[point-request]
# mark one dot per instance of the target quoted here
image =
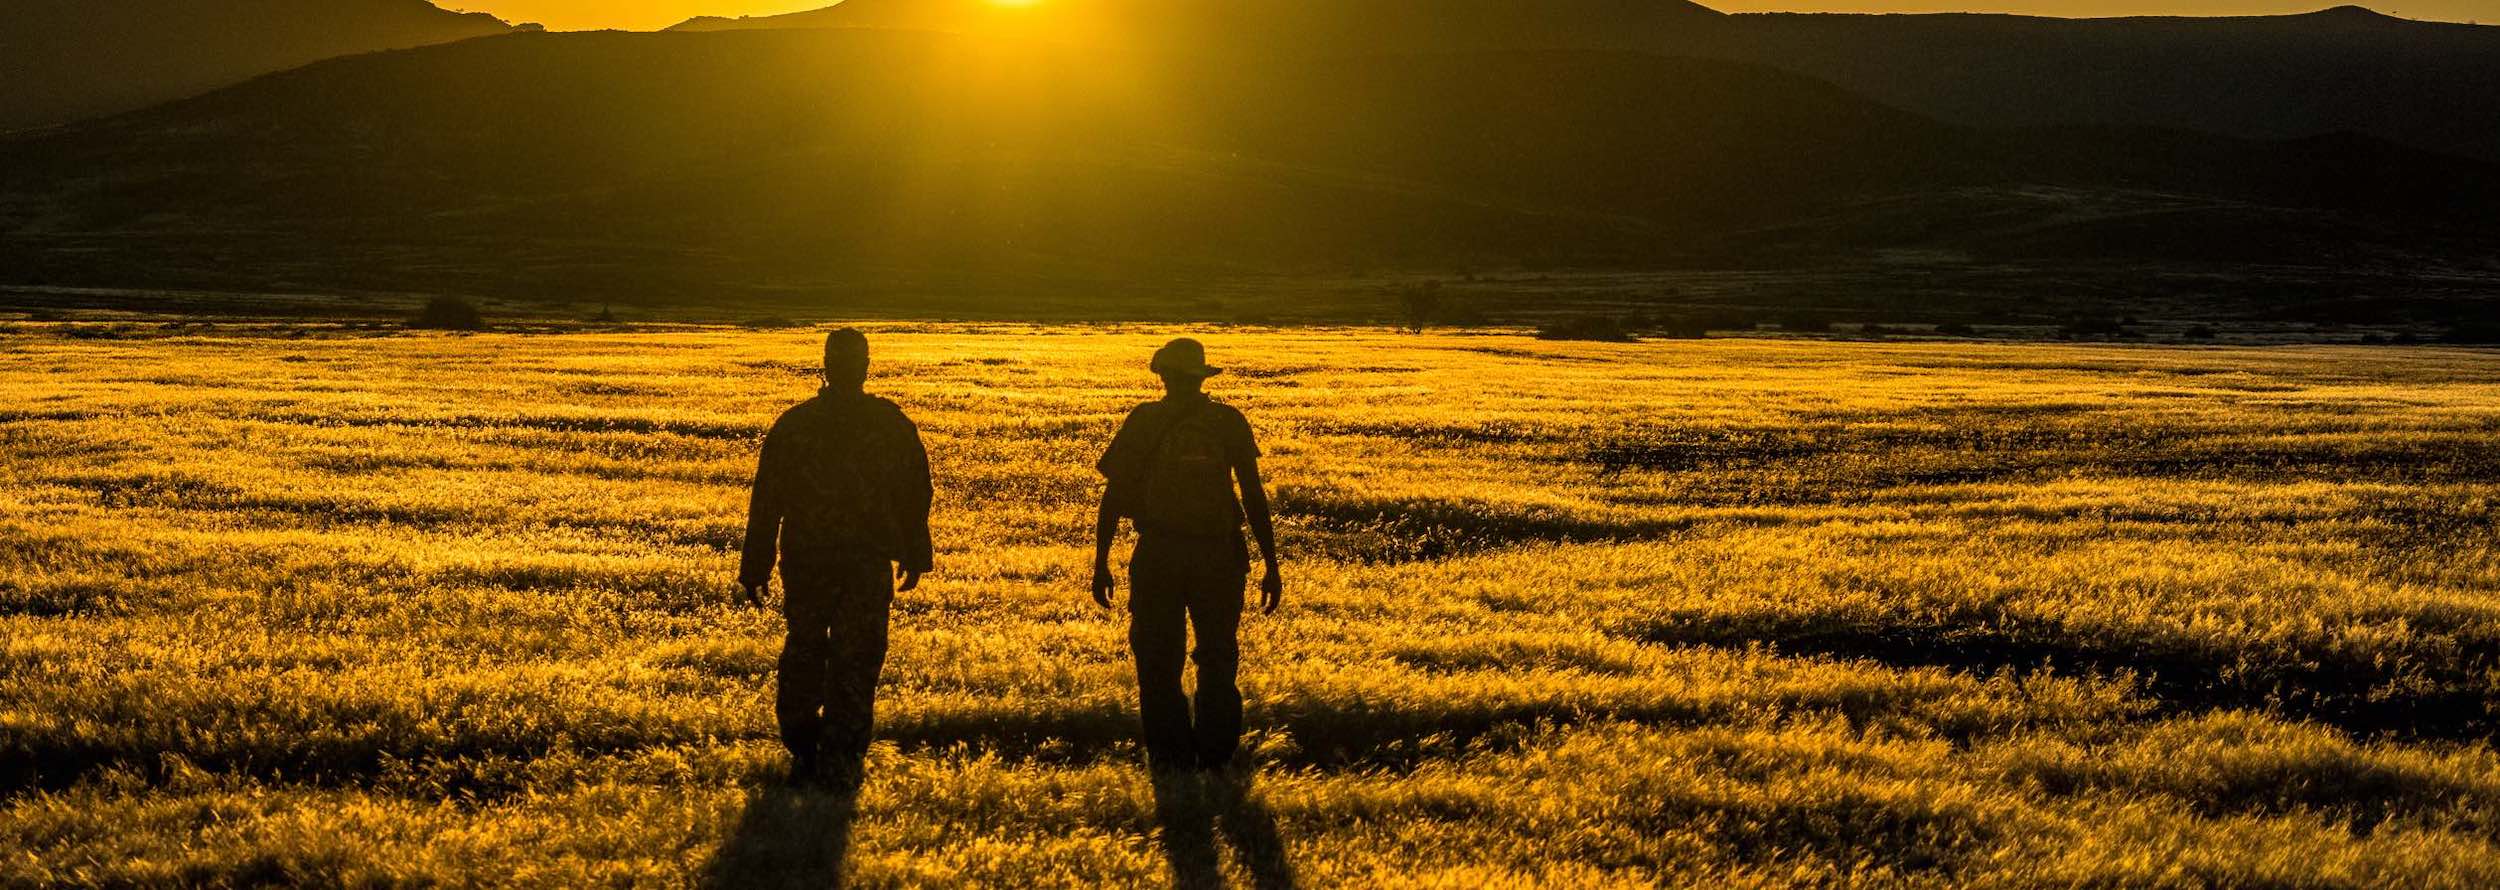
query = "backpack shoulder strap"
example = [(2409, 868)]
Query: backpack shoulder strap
[(1123, 485), (1163, 434)]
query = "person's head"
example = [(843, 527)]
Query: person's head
[(1183, 366), (846, 359)]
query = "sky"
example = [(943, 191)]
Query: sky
[(648, 14)]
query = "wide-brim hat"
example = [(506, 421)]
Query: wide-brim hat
[(1184, 357)]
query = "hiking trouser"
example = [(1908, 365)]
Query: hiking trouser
[(827, 696), (1176, 583)]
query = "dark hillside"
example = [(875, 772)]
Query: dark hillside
[(1303, 26), (780, 151), (695, 166), (2432, 85), (63, 60), (2428, 84)]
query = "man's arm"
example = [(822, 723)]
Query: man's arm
[(1114, 465), (919, 495), (1106, 527), (1262, 527), (1254, 504), (755, 569)]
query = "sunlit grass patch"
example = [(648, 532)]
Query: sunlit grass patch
[(457, 610)]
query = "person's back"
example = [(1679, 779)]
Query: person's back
[(1180, 459), (1171, 470), (841, 504), (847, 476)]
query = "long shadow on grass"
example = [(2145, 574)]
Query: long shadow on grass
[(2406, 697), (297, 511), (1326, 736), (1195, 809), (1395, 530), (788, 837), (734, 431), (1822, 462)]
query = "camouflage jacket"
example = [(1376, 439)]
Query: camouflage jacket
[(843, 475)]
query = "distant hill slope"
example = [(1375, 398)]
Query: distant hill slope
[(801, 155), (2428, 84), (1322, 26), (2432, 85), (63, 60), (687, 165)]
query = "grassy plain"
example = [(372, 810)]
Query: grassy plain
[(415, 609)]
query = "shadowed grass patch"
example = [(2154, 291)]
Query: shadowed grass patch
[(2239, 762), (1363, 530), (2440, 692)]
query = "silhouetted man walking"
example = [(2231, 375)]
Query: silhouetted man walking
[(1171, 471), (843, 490)]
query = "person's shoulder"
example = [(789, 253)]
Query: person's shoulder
[(798, 413), (1228, 413), (885, 410)]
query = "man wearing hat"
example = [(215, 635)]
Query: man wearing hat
[(1171, 472), (841, 499)]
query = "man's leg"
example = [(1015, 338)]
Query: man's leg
[(1215, 614), (1158, 636), (863, 606), (799, 693)]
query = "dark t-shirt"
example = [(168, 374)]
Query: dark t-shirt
[(1172, 464)]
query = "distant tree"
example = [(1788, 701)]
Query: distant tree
[(1680, 327), (1805, 322), (2200, 332), (1956, 329), (1420, 304), (1722, 319), (2093, 328), (449, 313)]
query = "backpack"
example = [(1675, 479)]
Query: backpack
[(1186, 483)]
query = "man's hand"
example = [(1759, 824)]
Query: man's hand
[(1104, 584), (1271, 591), (909, 580), (754, 593)]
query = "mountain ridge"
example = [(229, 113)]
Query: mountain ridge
[(790, 161), (1321, 26), (2433, 85), (67, 60)]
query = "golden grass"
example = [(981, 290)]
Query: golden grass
[(457, 610)]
